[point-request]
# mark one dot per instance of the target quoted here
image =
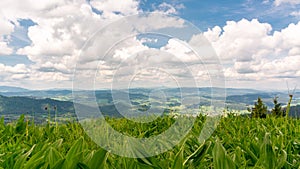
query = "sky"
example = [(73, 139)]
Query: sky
[(250, 44)]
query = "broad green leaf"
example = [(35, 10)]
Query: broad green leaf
[(59, 164), (281, 160), (53, 156), (268, 153), (22, 159), (76, 148), (179, 159), (98, 159), (82, 166), (199, 154), (36, 160), (220, 158), (75, 154)]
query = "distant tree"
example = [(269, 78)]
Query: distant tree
[(259, 110), (277, 110), (288, 107)]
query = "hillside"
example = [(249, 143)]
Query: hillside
[(15, 101), (12, 89), (295, 111), (22, 105)]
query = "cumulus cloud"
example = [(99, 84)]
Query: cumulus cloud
[(6, 28), (169, 8), (131, 59), (241, 40), (248, 48), (252, 52), (62, 28), (10, 74), (112, 8), (18, 69), (16, 9), (180, 50), (127, 49), (4, 49)]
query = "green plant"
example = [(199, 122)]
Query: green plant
[(259, 110), (238, 142), (277, 110), (288, 107)]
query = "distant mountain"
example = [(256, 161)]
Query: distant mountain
[(12, 89), (294, 111), (18, 101), (236, 98), (23, 105), (66, 94), (63, 95), (241, 91), (250, 99)]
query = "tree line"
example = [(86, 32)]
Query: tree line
[(260, 110)]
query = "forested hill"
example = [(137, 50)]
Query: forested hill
[(17, 105), (295, 111), (23, 105)]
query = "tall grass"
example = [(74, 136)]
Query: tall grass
[(238, 142)]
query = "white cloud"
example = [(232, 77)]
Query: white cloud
[(24, 75), (167, 8), (10, 74), (280, 2), (131, 47), (252, 53), (6, 28), (295, 13), (290, 36), (15, 9), (18, 69), (213, 34), (111, 8), (249, 49), (63, 27), (131, 60), (56, 40), (4, 49), (239, 40), (180, 50)]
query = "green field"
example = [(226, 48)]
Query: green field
[(238, 142)]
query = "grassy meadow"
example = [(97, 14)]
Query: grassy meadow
[(238, 142)]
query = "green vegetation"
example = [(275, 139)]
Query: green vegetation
[(238, 142), (277, 110), (259, 110), (34, 107), (288, 107)]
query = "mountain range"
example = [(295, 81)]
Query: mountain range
[(16, 101)]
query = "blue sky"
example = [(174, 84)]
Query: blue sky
[(26, 56), (207, 14)]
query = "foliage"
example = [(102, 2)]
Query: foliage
[(238, 142), (277, 110), (288, 107), (33, 105), (259, 110)]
